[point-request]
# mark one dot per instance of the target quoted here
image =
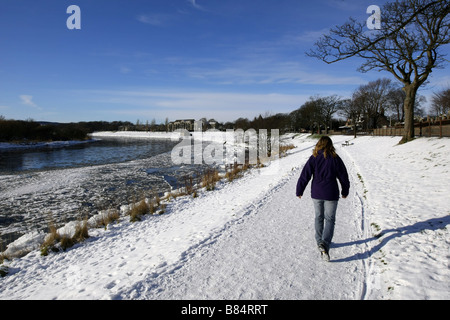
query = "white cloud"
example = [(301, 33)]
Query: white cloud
[(195, 4), (157, 19), (259, 72), (173, 103), (28, 101), (308, 36)]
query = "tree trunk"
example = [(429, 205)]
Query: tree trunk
[(408, 106)]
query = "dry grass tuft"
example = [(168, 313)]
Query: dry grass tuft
[(285, 148), (210, 178), (55, 241), (235, 171), (138, 210), (107, 218)]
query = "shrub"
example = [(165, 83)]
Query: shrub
[(107, 217), (81, 232), (138, 210), (210, 178), (3, 271), (54, 241), (66, 242), (285, 148), (235, 170)]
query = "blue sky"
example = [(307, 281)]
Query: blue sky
[(152, 59)]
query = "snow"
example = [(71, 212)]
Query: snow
[(6, 146), (253, 239), (136, 134)]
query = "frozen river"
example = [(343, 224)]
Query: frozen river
[(66, 183), (94, 152)]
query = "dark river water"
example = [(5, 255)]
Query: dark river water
[(64, 182), (96, 152)]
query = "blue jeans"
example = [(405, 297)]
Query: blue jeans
[(324, 222)]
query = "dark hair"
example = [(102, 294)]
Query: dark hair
[(326, 145)]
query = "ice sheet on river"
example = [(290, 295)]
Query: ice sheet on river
[(28, 201)]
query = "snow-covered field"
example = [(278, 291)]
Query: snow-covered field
[(253, 239)]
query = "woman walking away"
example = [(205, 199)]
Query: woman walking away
[(325, 167)]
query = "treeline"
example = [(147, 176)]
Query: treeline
[(29, 130), (373, 105), (315, 115), (279, 121)]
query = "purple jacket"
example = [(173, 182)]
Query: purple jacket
[(325, 173)]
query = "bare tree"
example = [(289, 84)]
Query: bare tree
[(351, 109), (395, 103), (317, 112), (329, 105), (396, 99), (375, 97), (407, 46), (311, 115), (441, 102), (152, 125)]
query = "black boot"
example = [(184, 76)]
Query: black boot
[(324, 252)]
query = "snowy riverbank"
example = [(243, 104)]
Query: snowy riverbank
[(253, 239), (209, 135), (135, 134)]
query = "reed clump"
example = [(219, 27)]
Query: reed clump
[(3, 257), (210, 178), (234, 171), (107, 217), (151, 205), (138, 210), (284, 148), (56, 241)]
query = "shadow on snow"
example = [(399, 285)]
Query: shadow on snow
[(387, 235)]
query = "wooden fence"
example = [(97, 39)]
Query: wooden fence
[(430, 128)]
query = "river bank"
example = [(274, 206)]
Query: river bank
[(253, 239), (67, 181), (41, 186)]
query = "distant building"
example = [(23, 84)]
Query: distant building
[(187, 124), (212, 123), (349, 126), (192, 125)]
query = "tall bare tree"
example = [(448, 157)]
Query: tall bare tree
[(317, 112), (351, 109), (407, 45), (375, 95), (329, 105), (441, 102), (395, 104)]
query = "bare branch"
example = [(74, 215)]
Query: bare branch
[(407, 46)]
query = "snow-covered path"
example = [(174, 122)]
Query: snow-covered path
[(269, 254)]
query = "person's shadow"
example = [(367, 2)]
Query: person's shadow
[(431, 224)]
